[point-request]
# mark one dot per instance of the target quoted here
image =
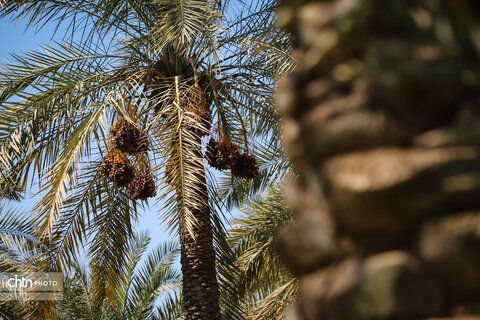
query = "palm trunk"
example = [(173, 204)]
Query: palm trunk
[(200, 287), (376, 153)]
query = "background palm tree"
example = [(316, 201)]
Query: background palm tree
[(15, 239), (149, 283), (252, 276), (20, 253), (156, 65), (149, 287)]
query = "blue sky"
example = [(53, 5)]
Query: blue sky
[(14, 38)]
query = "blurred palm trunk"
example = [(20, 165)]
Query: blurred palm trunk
[(382, 121)]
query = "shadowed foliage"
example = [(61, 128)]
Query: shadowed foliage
[(381, 121)]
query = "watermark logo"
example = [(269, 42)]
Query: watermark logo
[(31, 286)]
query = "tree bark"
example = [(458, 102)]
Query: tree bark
[(386, 206), (200, 287)]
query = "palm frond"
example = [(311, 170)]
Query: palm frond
[(148, 286), (16, 232), (156, 278), (184, 25), (20, 252), (112, 229), (171, 309), (63, 171), (181, 149), (274, 305), (258, 273), (76, 300), (93, 19), (137, 247)]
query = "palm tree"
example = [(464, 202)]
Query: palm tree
[(252, 275), (21, 253), (14, 238), (149, 287), (149, 284), (157, 69)]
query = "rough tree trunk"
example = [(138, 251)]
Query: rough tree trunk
[(200, 287), (382, 122)]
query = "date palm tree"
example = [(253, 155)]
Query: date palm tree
[(149, 287), (157, 66), (21, 253)]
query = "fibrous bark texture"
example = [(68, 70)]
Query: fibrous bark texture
[(200, 287), (382, 120)]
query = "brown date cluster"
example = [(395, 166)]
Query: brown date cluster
[(125, 138), (223, 155)]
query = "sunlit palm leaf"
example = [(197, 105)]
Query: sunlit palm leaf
[(260, 280), (148, 287)]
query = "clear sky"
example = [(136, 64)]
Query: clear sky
[(14, 38)]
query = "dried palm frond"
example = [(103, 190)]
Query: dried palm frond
[(200, 112), (169, 174)]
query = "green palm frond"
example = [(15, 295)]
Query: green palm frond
[(137, 248), (183, 25), (99, 18), (254, 234), (20, 252), (153, 279), (112, 229), (148, 286), (12, 311), (259, 278), (171, 309), (76, 302), (274, 305), (16, 232), (63, 171), (75, 219)]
